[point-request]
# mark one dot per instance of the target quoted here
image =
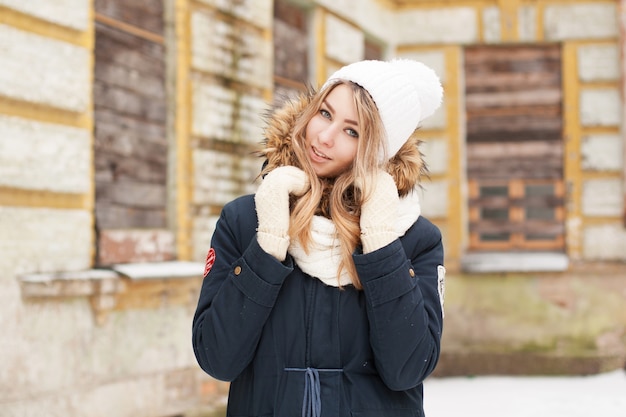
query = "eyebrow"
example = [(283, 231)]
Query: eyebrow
[(350, 121)]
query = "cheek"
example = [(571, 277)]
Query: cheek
[(352, 148), (348, 151), (311, 128)]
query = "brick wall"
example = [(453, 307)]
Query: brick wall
[(231, 82), (46, 135), (45, 188)]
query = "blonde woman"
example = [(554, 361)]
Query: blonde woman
[(323, 292)]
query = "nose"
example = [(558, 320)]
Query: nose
[(327, 135)]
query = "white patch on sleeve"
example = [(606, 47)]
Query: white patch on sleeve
[(441, 285)]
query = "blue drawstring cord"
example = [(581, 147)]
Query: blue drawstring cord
[(312, 401)]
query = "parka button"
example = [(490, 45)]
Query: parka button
[(237, 270), (411, 272)]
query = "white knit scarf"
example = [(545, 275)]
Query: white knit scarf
[(324, 255)]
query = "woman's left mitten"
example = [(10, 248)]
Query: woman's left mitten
[(379, 213)]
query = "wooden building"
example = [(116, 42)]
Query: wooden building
[(125, 126)]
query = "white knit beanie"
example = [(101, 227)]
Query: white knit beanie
[(405, 92)]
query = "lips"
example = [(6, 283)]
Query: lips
[(319, 154)]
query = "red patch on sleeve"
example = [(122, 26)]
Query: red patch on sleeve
[(210, 260)]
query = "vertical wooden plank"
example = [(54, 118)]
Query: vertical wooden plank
[(480, 28), (268, 35), (508, 20), (572, 159), (319, 36), (90, 198), (516, 212), (539, 7), (181, 161), (457, 224), (622, 45)]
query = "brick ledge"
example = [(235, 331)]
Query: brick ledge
[(515, 262), (123, 286)]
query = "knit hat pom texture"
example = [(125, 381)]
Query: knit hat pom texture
[(405, 92)]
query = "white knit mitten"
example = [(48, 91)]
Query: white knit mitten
[(272, 207), (379, 214)]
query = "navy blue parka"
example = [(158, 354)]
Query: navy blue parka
[(292, 345)]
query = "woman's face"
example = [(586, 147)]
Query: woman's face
[(332, 135)]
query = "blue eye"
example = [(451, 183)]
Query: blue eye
[(352, 133), (325, 113)]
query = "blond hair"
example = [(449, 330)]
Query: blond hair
[(338, 198)]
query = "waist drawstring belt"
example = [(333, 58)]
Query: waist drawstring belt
[(312, 401)]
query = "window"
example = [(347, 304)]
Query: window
[(130, 133), (516, 214), (515, 148), (291, 48)]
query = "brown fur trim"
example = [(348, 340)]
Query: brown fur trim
[(407, 167), (279, 126)]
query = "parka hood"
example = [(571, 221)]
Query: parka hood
[(407, 166)]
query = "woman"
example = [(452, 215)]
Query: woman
[(323, 292)]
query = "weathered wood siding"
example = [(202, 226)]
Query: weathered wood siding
[(515, 147), (130, 118), (291, 49), (514, 99)]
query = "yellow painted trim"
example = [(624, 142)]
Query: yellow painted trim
[(596, 42), (436, 4), (572, 157), (539, 13), (600, 84), (89, 124), (19, 197), (456, 224), (509, 25), (480, 27), (183, 163), (438, 177), (344, 19), (408, 48), (430, 4), (602, 221), (601, 175), (44, 28), (268, 93), (599, 130), (45, 114), (125, 27), (319, 35), (621, 10)]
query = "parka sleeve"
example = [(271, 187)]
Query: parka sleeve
[(236, 298), (403, 305)]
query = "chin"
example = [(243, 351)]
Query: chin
[(327, 175)]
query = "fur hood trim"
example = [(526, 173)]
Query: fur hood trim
[(407, 166)]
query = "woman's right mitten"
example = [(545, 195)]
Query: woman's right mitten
[(272, 207)]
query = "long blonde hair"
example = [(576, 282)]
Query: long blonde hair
[(338, 198)]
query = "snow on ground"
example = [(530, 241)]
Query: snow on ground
[(602, 395)]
